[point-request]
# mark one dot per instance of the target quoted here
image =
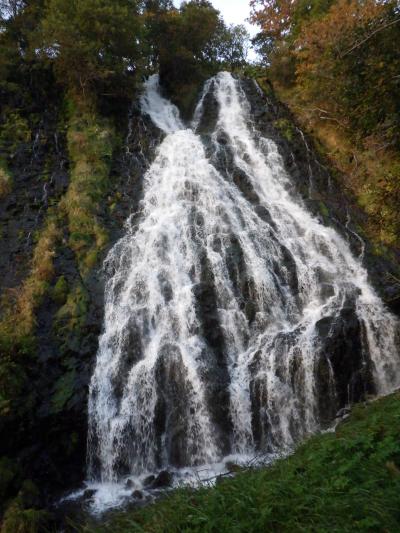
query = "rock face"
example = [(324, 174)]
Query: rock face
[(40, 177), (48, 441), (50, 446)]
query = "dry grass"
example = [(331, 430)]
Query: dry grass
[(368, 169), (5, 183), (90, 144), (19, 318)]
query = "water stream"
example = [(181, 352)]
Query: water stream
[(235, 322)]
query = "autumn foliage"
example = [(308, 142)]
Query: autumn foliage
[(342, 54), (337, 64)]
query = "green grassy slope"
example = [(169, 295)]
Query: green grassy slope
[(337, 482)]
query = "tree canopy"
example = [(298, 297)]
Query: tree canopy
[(342, 54), (100, 47)]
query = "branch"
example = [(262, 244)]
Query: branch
[(369, 36), (394, 278)]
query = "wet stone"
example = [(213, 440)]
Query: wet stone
[(164, 479), (88, 494), (345, 411), (149, 480), (129, 484), (233, 467), (327, 290)]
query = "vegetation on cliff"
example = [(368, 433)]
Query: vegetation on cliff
[(336, 65)]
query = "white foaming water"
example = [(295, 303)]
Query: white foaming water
[(163, 113), (219, 307)]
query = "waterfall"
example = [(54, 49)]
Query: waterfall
[(235, 322)]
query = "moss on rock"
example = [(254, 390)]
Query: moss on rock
[(91, 142), (60, 291), (63, 391), (19, 520), (6, 181), (285, 127)]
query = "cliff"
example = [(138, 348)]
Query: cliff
[(75, 175)]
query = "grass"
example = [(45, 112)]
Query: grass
[(23, 301), (90, 144), (6, 181), (338, 482)]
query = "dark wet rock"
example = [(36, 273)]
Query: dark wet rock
[(327, 290), (343, 375), (88, 494), (233, 467), (210, 114), (148, 481), (221, 478), (163, 480), (137, 494), (40, 177), (344, 412), (129, 484)]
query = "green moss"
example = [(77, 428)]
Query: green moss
[(19, 520), (6, 181), (28, 495), (14, 132), (91, 141), (72, 443), (60, 291), (9, 473), (265, 86), (323, 210), (12, 383), (92, 257), (340, 482), (63, 391), (285, 127), (72, 315), (70, 320)]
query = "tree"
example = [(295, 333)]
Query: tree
[(232, 44), (92, 42), (280, 23), (275, 17), (349, 61), (183, 40)]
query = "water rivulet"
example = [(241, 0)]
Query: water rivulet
[(235, 322)]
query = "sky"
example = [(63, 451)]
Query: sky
[(234, 12)]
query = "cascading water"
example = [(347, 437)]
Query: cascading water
[(235, 322)]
